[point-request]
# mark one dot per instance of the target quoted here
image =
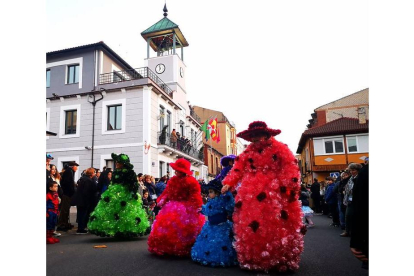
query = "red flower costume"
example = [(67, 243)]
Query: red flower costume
[(179, 222), (267, 215)]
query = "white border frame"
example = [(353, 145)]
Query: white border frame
[(68, 62), (330, 138), (104, 157), (65, 159), (357, 142), (63, 110), (105, 105)]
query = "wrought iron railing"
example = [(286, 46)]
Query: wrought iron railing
[(134, 74), (164, 138), (195, 116)]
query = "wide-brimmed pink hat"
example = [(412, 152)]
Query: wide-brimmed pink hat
[(182, 165), (257, 128)]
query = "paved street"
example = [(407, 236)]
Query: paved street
[(326, 253)]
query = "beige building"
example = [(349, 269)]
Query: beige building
[(355, 106), (226, 128)]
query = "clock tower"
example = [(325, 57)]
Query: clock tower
[(166, 39)]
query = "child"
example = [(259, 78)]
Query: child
[(214, 244), (52, 212), (307, 211)]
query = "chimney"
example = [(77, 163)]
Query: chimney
[(361, 115)]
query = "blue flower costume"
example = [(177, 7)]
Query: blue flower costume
[(213, 246)]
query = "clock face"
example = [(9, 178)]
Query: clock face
[(182, 72), (160, 68)]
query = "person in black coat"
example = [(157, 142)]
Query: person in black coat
[(316, 196), (85, 199), (360, 220), (68, 186)]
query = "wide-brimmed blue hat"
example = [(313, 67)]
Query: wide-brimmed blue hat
[(214, 184), (224, 161)]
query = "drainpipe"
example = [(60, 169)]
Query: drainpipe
[(93, 119)]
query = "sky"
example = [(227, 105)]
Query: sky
[(274, 61)]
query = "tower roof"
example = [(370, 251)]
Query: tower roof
[(163, 28)]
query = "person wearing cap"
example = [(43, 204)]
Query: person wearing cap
[(267, 217), (49, 158), (68, 186), (179, 222), (213, 246)]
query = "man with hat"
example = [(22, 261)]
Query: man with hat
[(68, 186), (268, 215)]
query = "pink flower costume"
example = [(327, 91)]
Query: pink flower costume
[(179, 222), (267, 216)]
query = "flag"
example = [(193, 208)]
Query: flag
[(218, 135), (206, 130), (213, 128)]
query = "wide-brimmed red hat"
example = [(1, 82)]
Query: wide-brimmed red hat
[(182, 165), (257, 128)]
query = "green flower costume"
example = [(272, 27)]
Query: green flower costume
[(119, 213)]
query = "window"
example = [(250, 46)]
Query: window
[(352, 144), (331, 145), (114, 117), (70, 121), (334, 146), (110, 164), (47, 78), (70, 116), (73, 74), (357, 143), (161, 169), (162, 116), (169, 121)]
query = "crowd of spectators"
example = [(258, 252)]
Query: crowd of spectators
[(345, 201)]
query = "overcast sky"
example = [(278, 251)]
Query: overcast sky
[(267, 60)]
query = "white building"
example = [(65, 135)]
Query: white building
[(98, 104)]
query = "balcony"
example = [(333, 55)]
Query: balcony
[(134, 74), (180, 148), (195, 116)]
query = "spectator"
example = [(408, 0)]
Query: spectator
[(68, 185), (307, 211), (324, 206), (359, 233), (341, 207), (163, 136), (55, 176), (49, 158), (52, 212), (146, 199), (85, 199), (173, 138), (140, 181), (150, 186), (160, 187), (348, 197), (104, 181), (331, 201), (316, 195), (168, 176)]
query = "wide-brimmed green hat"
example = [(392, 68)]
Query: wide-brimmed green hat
[(123, 159)]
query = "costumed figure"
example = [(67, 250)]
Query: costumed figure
[(177, 225), (119, 213), (52, 212), (214, 244), (267, 216), (227, 163)]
